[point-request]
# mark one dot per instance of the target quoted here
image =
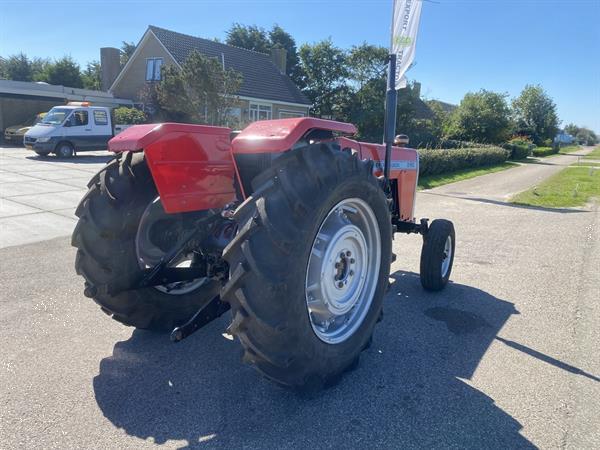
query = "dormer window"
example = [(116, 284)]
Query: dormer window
[(153, 69)]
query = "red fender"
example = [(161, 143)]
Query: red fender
[(191, 165)]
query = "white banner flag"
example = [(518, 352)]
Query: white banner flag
[(405, 27)]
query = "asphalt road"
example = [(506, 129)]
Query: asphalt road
[(505, 357)]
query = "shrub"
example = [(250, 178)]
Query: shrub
[(454, 143), (544, 151), (129, 116), (517, 151), (519, 147), (433, 162)]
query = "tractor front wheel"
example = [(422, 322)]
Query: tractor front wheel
[(437, 255), (309, 266)]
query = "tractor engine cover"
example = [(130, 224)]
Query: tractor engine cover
[(191, 165)]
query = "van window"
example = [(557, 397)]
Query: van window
[(100, 117), (79, 118)]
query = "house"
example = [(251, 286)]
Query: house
[(266, 91), (563, 138)]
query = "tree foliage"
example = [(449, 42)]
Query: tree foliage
[(127, 49), (249, 37), (582, 135), (324, 73), (482, 116), (535, 114), (17, 67), (201, 92), (260, 40), (91, 76), (64, 71)]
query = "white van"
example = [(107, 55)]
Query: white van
[(72, 128)]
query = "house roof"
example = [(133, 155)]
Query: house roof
[(261, 78)]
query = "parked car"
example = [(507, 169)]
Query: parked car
[(14, 134), (72, 128)]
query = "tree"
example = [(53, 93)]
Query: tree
[(248, 37), (279, 38), (127, 49), (585, 136), (572, 129), (64, 72), (17, 67), (91, 76), (482, 116), (202, 91), (367, 62), (535, 114), (324, 76)]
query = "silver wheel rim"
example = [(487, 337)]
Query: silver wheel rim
[(447, 256), (343, 269), (149, 255)]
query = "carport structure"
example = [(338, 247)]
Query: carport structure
[(21, 100)]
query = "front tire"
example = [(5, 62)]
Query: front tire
[(437, 255), (107, 241), (279, 317), (64, 150)]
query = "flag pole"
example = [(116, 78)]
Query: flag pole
[(391, 100)]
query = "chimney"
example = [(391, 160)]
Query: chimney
[(110, 66), (279, 57)]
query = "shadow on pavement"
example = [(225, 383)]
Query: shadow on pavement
[(512, 205), (405, 393), (80, 158)]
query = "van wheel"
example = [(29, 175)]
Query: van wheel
[(64, 150)]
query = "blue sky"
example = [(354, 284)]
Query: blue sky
[(464, 45)]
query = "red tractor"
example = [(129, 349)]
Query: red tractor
[(289, 223)]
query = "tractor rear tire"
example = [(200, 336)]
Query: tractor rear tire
[(437, 255), (105, 238), (280, 229)]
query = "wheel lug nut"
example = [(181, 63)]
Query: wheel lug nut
[(351, 273), (342, 255), (338, 265), (340, 284), (352, 260), (348, 254)]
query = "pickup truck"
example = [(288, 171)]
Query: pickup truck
[(72, 128)]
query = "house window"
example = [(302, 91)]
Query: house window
[(260, 112), (290, 114), (153, 69)]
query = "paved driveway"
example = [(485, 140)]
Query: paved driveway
[(505, 357), (38, 195)]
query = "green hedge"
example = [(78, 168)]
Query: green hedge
[(433, 162), (454, 143), (517, 150), (129, 116), (545, 151)]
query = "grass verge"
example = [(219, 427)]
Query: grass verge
[(541, 152), (431, 181), (585, 164), (595, 154), (573, 186), (569, 149)]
